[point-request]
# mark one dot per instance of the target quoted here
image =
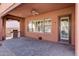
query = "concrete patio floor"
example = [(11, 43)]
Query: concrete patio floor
[(30, 47)]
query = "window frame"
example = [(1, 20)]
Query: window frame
[(42, 25)]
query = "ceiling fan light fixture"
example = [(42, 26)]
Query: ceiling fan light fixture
[(34, 12)]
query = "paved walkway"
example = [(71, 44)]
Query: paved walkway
[(31, 47)]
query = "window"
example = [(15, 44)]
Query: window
[(48, 25), (43, 25), (30, 27)]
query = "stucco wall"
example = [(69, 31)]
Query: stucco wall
[(53, 36)]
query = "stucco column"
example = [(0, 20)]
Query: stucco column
[(77, 29), (22, 27), (1, 29)]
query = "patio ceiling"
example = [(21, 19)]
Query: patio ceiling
[(24, 10)]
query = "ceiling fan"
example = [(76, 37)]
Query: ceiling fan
[(35, 12)]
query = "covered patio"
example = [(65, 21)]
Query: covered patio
[(44, 29), (31, 47)]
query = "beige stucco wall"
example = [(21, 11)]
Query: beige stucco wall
[(53, 36), (77, 29)]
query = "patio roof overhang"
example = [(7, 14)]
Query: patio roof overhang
[(25, 10), (6, 7)]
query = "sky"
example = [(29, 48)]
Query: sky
[(12, 24)]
